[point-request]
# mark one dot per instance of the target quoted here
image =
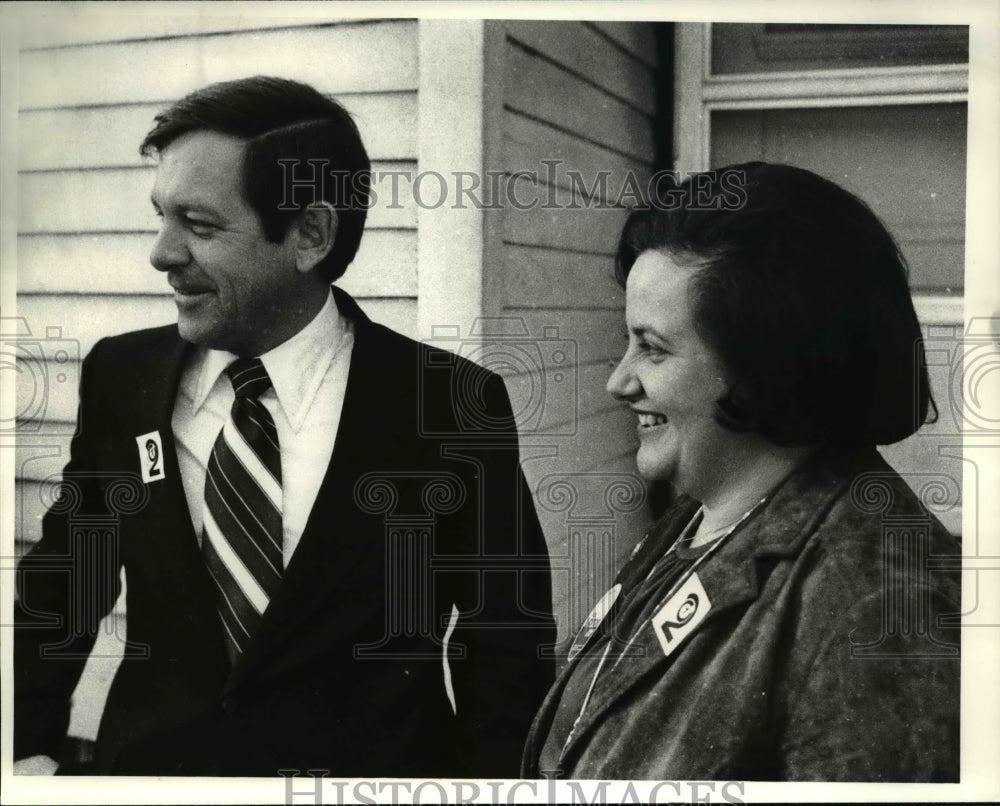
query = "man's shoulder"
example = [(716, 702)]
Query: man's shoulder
[(148, 344), (427, 358), (451, 396), (399, 354), (127, 358)]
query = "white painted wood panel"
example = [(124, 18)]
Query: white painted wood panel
[(118, 263), (378, 57), (87, 318), (56, 201), (45, 26), (558, 97), (638, 38), (584, 49), (592, 231), (109, 136), (552, 278), (43, 455), (579, 164)]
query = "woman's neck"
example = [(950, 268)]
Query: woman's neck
[(749, 477)]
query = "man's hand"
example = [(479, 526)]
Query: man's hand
[(35, 765)]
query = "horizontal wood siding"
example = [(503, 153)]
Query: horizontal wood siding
[(50, 200), (94, 264), (336, 58), (43, 28), (88, 91), (577, 145), (79, 136)]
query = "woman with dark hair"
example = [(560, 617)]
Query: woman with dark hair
[(780, 621)]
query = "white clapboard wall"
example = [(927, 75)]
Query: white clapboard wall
[(583, 94)]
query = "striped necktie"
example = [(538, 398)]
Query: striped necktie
[(242, 536)]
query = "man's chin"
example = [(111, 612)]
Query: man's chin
[(200, 333)]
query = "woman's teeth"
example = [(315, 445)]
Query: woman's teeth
[(650, 420)]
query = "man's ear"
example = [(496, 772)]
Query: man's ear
[(315, 233)]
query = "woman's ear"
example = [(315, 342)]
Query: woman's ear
[(315, 233)]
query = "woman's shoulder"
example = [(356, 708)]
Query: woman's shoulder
[(873, 574), (877, 512), (875, 540)]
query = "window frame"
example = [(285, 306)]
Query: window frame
[(699, 93)]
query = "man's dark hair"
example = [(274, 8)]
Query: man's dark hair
[(293, 133), (803, 294)]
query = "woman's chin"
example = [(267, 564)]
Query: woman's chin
[(654, 467)]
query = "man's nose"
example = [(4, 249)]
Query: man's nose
[(623, 385), (169, 250)]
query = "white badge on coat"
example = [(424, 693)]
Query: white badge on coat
[(594, 620), (150, 456), (677, 619)]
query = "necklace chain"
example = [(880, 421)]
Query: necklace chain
[(686, 534), (722, 531)]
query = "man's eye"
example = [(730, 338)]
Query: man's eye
[(201, 227)]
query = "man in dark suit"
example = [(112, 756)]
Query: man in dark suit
[(332, 559)]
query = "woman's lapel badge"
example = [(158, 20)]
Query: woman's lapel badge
[(678, 618), (594, 620)]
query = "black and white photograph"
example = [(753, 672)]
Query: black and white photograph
[(500, 402)]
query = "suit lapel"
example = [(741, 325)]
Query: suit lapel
[(168, 539), (371, 437), (731, 579), (153, 409)]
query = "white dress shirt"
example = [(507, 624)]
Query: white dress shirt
[(309, 377)]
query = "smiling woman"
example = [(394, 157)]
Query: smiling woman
[(671, 378), (777, 623)]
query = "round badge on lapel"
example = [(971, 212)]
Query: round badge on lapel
[(593, 621)]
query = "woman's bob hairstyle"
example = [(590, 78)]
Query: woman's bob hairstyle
[(803, 294)]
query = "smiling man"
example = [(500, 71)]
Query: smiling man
[(235, 289), (280, 617)]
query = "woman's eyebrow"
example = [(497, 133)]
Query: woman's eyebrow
[(643, 331)]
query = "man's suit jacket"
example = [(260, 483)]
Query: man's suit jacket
[(423, 507)]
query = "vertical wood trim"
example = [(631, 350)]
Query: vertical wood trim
[(10, 93), (449, 139), (494, 265), (691, 123), (9, 43)]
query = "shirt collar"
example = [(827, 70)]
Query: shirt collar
[(296, 367)]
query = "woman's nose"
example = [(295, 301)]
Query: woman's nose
[(623, 385)]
